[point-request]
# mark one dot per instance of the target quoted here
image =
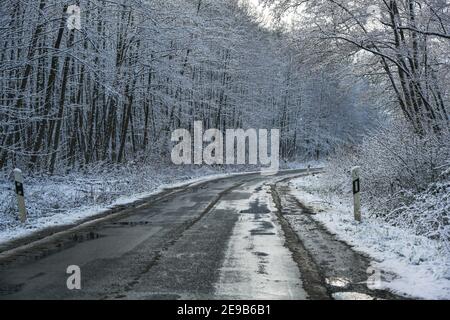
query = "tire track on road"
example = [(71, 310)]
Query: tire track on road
[(330, 267)]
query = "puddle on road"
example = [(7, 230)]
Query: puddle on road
[(64, 243), (263, 227), (7, 289), (257, 208), (258, 232), (130, 223), (82, 237), (260, 254)]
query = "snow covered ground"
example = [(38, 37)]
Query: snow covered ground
[(410, 265)]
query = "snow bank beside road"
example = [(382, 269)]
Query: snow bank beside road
[(411, 265)]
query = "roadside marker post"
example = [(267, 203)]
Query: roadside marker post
[(356, 193), (18, 177)]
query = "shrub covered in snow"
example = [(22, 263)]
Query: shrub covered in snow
[(405, 176)]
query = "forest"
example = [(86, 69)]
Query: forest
[(114, 90)]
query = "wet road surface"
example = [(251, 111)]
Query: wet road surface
[(229, 238)]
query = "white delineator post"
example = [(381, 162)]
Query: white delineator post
[(356, 193), (18, 177)]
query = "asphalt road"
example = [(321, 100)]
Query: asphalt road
[(230, 238)]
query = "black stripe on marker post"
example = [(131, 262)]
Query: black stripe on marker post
[(19, 188), (356, 186)]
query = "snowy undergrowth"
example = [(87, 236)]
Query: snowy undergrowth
[(405, 178), (411, 265)]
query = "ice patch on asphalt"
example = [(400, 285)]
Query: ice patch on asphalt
[(351, 296), (338, 282)]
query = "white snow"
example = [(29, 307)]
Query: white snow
[(411, 265)]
